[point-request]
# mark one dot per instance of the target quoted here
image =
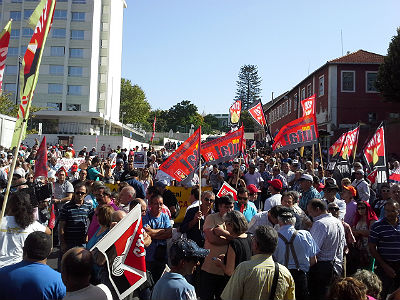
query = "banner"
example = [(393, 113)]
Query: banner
[(52, 220), (234, 111), (256, 111), (154, 128), (374, 152), (298, 133), (395, 176), (182, 194), (337, 146), (224, 148), (66, 163), (140, 159), (123, 248), (42, 18), (41, 159), (308, 106), (4, 41), (350, 143), (226, 189), (185, 159)]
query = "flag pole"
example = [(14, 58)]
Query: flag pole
[(200, 175), (313, 156), (322, 161), (384, 143), (11, 172)]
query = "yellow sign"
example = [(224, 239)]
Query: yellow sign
[(182, 194), (113, 187)]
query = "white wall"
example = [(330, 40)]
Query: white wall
[(94, 64), (7, 125)]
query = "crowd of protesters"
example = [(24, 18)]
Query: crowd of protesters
[(292, 231)]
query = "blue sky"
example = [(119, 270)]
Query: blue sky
[(192, 50)]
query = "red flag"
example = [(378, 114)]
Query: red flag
[(154, 129), (350, 143), (372, 176), (185, 159), (298, 133), (395, 176), (4, 41), (253, 145), (234, 111), (308, 106), (337, 146), (225, 189), (52, 220), (374, 152), (41, 159), (224, 148), (258, 114), (123, 248)]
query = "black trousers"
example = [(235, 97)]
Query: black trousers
[(389, 285), (211, 286), (301, 281), (321, 277)]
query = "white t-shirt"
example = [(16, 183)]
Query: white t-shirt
[(272, 201), (100, 292), (255, 179), (12, 239)]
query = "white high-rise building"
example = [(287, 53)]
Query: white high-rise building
[(80, 74)]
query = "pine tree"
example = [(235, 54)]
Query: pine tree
[(248, 85), (388, 79)]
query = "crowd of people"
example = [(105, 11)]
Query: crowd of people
[(293, 230)]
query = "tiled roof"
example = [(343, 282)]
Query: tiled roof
[(359, 57)]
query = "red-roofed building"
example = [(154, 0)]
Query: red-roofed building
[(345, 95)]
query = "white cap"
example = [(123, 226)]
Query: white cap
[(306, 177)]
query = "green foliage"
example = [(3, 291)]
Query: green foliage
[(248, 85), (248, 121), (388, 79), (134, 104), (161, 120), (182, 115), (7, 106)]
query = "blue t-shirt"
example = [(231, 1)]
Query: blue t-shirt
[(173, 286), (93, 174), (249, 212), (161, 222), (30, 280)]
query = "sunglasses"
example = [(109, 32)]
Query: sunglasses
[(385, 190), (334, 208), (209, 200), (80, 193), (242, 198)]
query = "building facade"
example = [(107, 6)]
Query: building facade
[(80, 75), (345, 97)]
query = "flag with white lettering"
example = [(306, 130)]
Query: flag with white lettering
[(374, 152), (350, 143), (226, 189), (4, 41), (308, 106), (256, 111), (234, 111), (337, 146), (298, 133), (41, 20), (224, 148), (395, 176), (185, 159), (123, 248)]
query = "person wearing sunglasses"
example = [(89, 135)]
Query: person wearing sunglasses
[(246, 207), (383, 196)]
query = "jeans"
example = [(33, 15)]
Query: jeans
[(321, 277)]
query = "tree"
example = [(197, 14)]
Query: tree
[(8, 107), (182, 115), (388, 79), (248, 85), (248, 121), (134, 104), (161, 120)]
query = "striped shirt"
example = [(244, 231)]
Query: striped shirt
[(386, 237), (328, 233), (77, 221)]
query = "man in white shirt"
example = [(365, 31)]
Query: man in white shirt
[(275, 187), (361, 186)]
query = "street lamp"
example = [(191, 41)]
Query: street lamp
[(122, 121)]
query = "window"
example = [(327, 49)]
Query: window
[(10, 87), (56, 70), (59, 32), (295, 101), (394, 115), (55, 88), (321, 83), (348, 81), (75, 71), (12, 51), (22, 50), (15, 15), (74, 90), (79, 1), (16, 1), (371, 80), (309, 90), (78, 16), (11, 70), (27, 13), (371, 117), (27, 32), (57, 51), (290, 106), (14, 34), (60, 14), (76, 53), (54, 106), (74, 107), (77, 34), (303, 94)]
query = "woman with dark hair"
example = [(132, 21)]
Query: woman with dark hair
[(239, 248), (15, 227)]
